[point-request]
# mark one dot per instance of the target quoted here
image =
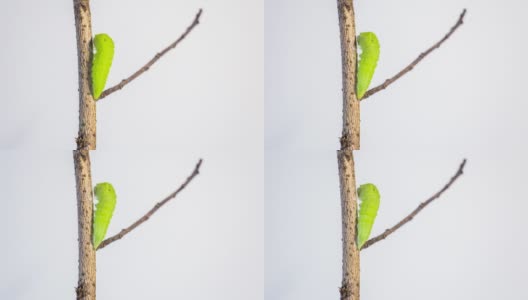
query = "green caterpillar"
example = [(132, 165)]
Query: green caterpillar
[(102, 61), (106, 201), (370, 200), (370, 50)]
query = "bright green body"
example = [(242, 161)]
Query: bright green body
[(370, 50), (104, 209), (370, 201), (102, 61)]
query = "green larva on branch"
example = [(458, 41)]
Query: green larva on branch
[(102, 61), (370, 50), (370, 200), (104, 209)]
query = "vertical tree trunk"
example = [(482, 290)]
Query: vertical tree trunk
[(349, 142), (85, 143)]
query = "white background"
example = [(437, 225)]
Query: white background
[(202, 100), (465, 100)]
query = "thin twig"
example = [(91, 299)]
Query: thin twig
[(422, 205), (149, 64), (420, 57), (149, 214)]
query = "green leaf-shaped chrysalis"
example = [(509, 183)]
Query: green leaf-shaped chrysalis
[(104, 209), (370, 199), (102, 61), (368, 59)]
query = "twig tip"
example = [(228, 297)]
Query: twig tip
[(462, 15)]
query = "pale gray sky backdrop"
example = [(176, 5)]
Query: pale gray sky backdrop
[(204, 99), (465, 100)]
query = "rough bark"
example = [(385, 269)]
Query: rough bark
[(85, 142), (87, 117), (347, 179), (350, 135), (349, 142), (86, 284)]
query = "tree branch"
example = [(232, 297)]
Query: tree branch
[(87, 112), (422, 205), (420, 57), (350, 141), (83, 184), (149, 64), (350, 136), (149, 214), (86, 140)]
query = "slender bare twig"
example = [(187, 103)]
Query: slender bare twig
[(149, 214), (420, 57), (149, 64), (422, 205)]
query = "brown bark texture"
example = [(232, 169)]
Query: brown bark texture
[(349, 142), (87, 118), (85, 142), (347, 180), (86, 284), (351, 118)]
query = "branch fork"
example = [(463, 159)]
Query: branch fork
[(350, 141), (151, 212), (86, 141), (417, 210)]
